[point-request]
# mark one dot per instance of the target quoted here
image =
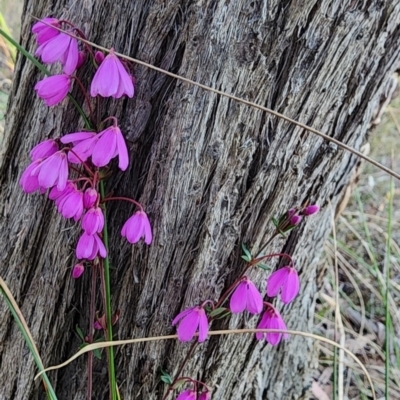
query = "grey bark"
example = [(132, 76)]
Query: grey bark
[(211, 174)]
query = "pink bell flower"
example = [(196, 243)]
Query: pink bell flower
[(190, 321), (44, 149), (53, 89), (137, 227), (70, 204), (111, 79), (43, 31), (271, 319), (187, 395), (109, 144), (90, 198), (29, 182), (52, 171), (89, 246), (58, 195), (83, 144), (93, 221), (246, 296), (78, 270), (63, 48), (285, 279)]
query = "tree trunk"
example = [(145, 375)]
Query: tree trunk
[(211, 173)]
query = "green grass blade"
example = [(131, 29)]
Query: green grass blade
[(20, 320), (388, 321), (4, 27)]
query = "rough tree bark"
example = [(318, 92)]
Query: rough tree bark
[(211, 173)]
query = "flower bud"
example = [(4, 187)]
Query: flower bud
[(81, 59), (98, 57), (295, 220), (310, 210), (78, 270), (89, 198)]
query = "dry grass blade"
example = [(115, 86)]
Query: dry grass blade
[(102, 345), (238, 99)]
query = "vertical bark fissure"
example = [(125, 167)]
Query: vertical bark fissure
[(211, 173)]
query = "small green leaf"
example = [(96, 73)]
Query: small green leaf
[(246, 252), (218, 311), (263, 266), (80, 333), (166, 377), (97, 353)]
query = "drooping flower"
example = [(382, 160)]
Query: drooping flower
[(246, 296), (83, 143), (109, 144), (58, 195), (63, 48), (44, 149), (271, 319), (285, 279), (89, 246), (190, 321), (102, 147), (310, 210), (29, 182), (137, 227), (90, 198), (188, 394), (53, 89), (93, 221), (52, 171), (70, 203), (44, 30), (111, 79), (78, 270)]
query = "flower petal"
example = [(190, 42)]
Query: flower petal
[(105, 147), (181, 315), (254, 299), (276, 280), (291, 287), (203, 325), (238, 300), (188, 326), (123, 157)]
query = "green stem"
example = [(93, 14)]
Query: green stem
[(106, 263)]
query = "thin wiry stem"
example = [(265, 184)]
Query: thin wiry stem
[(238, 99)]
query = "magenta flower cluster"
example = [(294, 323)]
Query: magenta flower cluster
[(69, 167), (244, 296)]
